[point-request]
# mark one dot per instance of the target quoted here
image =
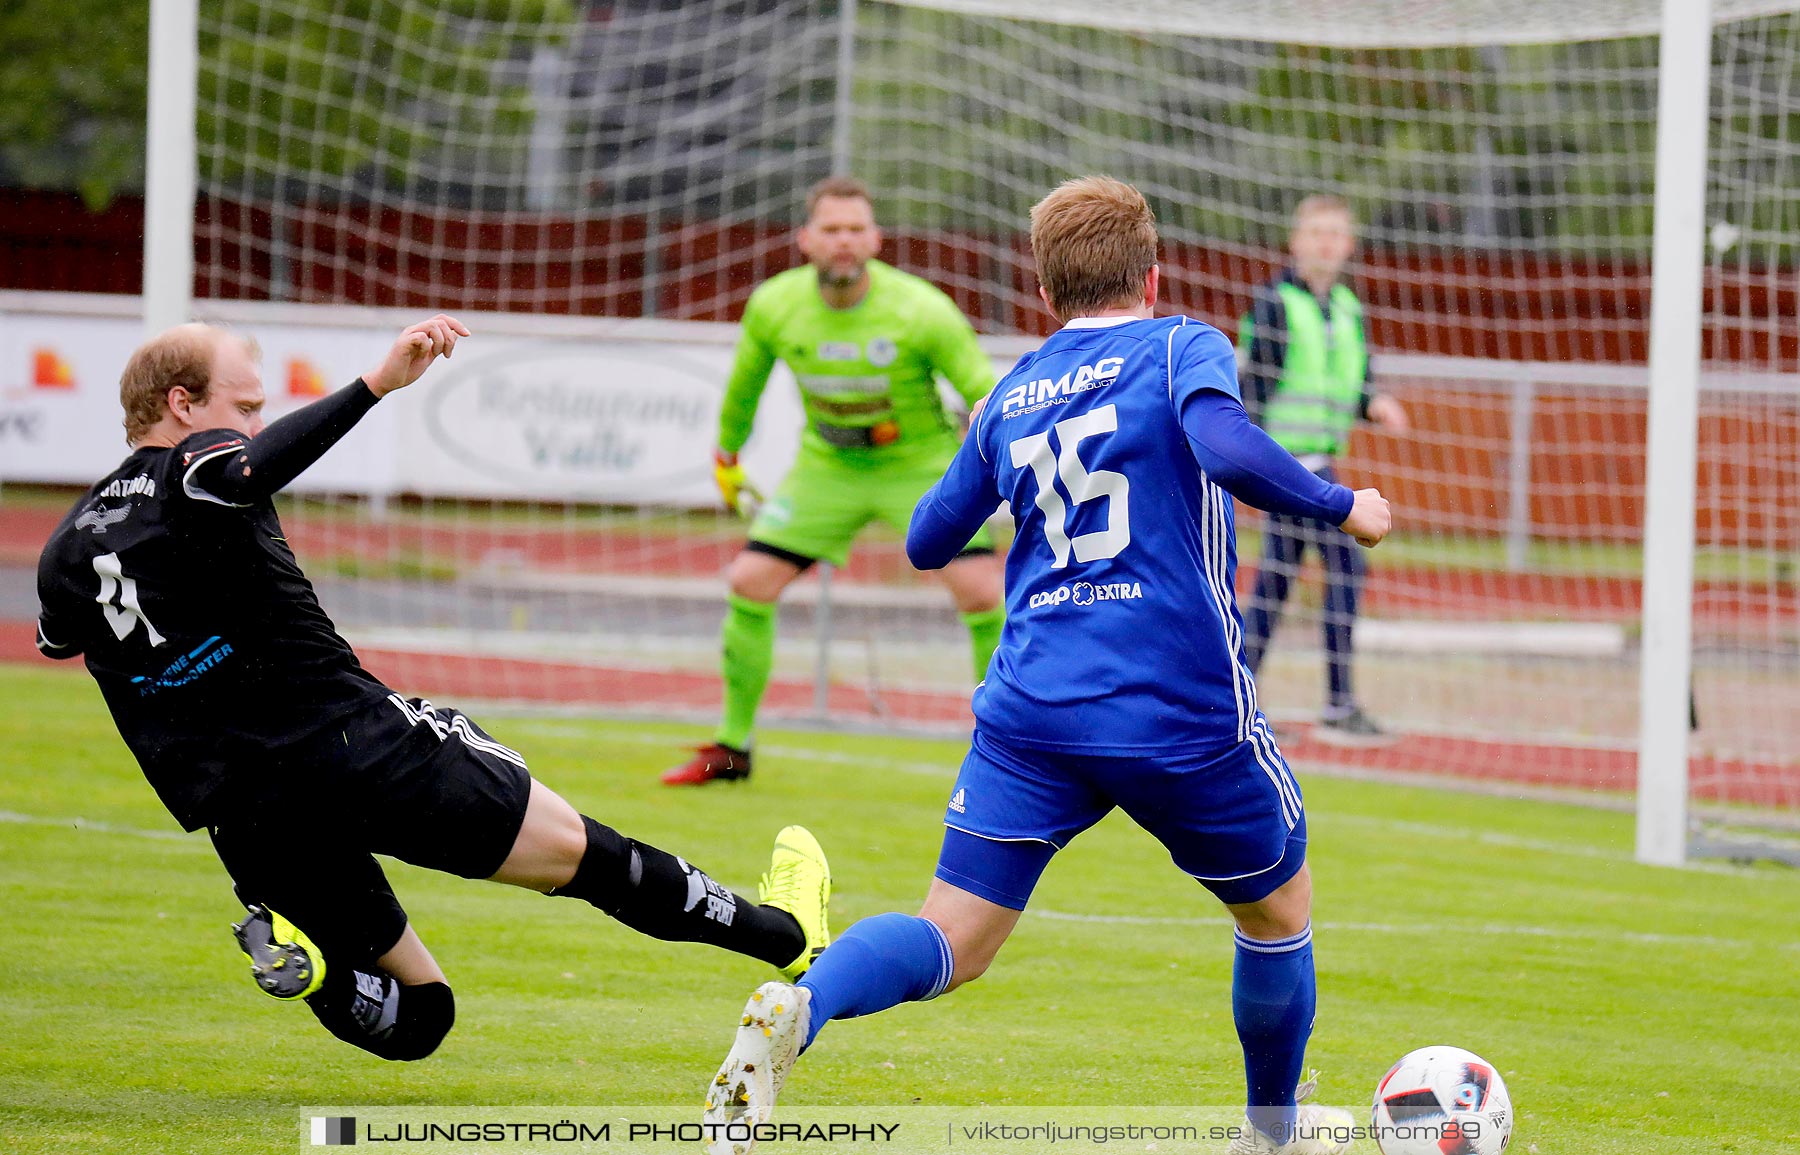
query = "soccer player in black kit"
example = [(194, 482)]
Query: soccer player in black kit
[(252, 718)]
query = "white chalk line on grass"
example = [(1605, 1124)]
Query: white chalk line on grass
[(78, 823), (947, 770), (1413, 928), (1491, 837), (1438, 929)]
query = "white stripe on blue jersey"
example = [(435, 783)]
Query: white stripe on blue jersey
[(1234, 624), (1212, 536)]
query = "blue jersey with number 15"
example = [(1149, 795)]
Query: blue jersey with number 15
[(1122, 630)]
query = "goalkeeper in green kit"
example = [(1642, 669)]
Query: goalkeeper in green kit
[(866, 342)]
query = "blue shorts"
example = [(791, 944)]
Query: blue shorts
[(1233, 820)]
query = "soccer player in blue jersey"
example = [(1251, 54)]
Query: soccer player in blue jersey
[(1120, 679)]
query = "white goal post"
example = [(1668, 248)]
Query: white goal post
[(1683, 107), (170, 171)]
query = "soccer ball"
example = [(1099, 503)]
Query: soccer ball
[(1442, 1101)]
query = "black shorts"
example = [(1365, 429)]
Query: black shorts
[(424, 784)]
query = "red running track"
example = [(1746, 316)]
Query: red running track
[(1399, 592)]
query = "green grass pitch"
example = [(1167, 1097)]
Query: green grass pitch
[(1631, 1010)]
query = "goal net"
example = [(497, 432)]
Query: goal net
[(647, 159)]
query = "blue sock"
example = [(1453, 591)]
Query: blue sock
[(878, 963), (1273, 997)]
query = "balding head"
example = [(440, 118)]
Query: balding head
[(182, 357)]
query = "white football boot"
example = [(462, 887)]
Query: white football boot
[(742, 1094), (1318, 1130)]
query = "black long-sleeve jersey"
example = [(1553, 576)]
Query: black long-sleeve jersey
[(174, 580)]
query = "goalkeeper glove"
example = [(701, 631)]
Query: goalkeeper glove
[(741, 497)]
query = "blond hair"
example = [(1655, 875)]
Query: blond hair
[(181, 357), (1094, 241), (1322, 203), (836, 186)]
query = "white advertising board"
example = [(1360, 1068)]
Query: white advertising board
[(59, 399), (530, 408), (554, 409), (615, 420), (60, 420)]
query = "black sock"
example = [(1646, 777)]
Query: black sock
[(369, 1008), (653, 891)]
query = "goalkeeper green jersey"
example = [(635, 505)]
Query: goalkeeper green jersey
[(867, 374)]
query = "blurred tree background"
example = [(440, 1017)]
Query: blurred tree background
[(72, 95), (961, 121)]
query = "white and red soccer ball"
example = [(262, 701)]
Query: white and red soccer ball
[(1442, 1101)]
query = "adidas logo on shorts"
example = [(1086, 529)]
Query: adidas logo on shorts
[(956, 801)]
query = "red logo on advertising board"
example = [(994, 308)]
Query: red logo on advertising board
[(49, 370), (303, 379)]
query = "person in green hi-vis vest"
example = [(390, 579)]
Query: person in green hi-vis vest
[(866, 343), (1304, 373)]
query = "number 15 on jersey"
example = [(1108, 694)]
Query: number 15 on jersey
[(1047, 464)]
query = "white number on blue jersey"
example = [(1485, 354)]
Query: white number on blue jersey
[(1083, 485)]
